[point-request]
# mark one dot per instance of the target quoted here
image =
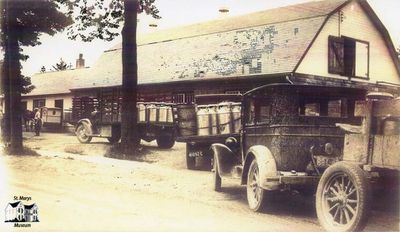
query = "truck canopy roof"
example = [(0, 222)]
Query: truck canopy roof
[(302, 89)]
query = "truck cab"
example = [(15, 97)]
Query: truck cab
[(291, 136)]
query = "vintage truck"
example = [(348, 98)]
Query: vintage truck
[(212, 118), (100, 116), (330, 139)]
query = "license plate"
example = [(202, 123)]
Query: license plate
[(196, 154)]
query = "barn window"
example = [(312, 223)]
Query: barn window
[(348, 57), (37, 103)]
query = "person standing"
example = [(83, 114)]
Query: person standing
[(38, 121)]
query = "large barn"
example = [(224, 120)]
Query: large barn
[(338, 43)]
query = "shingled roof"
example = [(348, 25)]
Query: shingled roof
[(58, 82), (266, 42)]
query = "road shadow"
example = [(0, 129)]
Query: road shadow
[(280, 203)]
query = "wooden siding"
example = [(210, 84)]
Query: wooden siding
[(357, 25)]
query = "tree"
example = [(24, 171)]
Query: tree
[(102, 21), (22, 22), (61, 65)]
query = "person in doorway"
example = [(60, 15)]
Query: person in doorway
[(38, 121)]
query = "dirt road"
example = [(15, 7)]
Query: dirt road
[(89, 192)]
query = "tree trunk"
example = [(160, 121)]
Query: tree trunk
[(129, 127), (12, 84)]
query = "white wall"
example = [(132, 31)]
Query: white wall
[(50, 100), (357, 25)]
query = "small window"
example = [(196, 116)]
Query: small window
[(37, 103), (263, 110), (335, 109), (59, 103), (250, 111), (322, 108), (348, 57), (311, 109)]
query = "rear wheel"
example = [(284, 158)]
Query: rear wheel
[(256, 196), (166, 142), (82, 132), (217, 177), (342, 201), (190, 161)]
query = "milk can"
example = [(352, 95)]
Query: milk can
[(203, 122), (163, 113), (141, 112), (224, 118), (236, 110), (152, 111), (212, 111), (170, 114)]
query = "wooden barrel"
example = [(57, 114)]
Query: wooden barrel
[(186, 120)]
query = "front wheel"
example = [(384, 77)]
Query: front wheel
[(82, 132), (256, 196), (342, 200)]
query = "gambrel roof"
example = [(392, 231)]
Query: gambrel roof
[(218, 49), (270, 42)]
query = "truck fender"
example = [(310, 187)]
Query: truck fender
[(85, 121), (225, 159), (266, 166)]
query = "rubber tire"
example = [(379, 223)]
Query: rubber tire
[(361, 183), (262, 201), (190, 161), (80, 139), (165, 142), (217, 177)]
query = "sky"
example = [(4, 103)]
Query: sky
[(176, 13)]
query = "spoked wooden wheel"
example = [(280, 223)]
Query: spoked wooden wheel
[(255, 194), (342, 198)]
